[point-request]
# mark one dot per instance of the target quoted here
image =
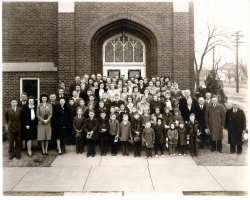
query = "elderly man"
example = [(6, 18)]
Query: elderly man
[(236, 126), (215, 122), (208, 98), (73, 85), (183, 101)]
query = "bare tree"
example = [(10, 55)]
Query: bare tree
[(214, 34), (217, 60), (243, 67)]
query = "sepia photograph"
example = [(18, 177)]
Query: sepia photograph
[(137, 99)]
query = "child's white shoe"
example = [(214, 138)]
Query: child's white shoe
[(185, 154), (179, 154), (149, 157), (171, 155), (162, 156), (156, 156), (174, 154), (146, 157)]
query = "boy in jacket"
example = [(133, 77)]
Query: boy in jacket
[(114, 128), (104, 133), (193, 131), (182, 135), (90, 129), (172, 138), (148, 137), (124, 134), (78, 125), (136, 126)]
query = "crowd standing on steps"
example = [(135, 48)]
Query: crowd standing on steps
[(118, 111)]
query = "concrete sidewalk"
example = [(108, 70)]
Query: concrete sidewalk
[(75, 174)]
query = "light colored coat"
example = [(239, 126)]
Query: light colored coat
[(215, 120)]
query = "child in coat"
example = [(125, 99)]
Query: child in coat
[(176, 118), (156, 115), (124, 134), (78, 125), (136, 126), (160, 137), (136, 95), (114, 128), (104, 132), (182, 135), (194, 130), (130, 103), (172, 138), (148, 137), (90, 129), (113, 111)]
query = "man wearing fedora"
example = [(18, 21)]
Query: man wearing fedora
[(236, 126)]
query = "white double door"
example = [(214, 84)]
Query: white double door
[(128, 71)]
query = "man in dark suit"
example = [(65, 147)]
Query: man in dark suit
[(201, 110), (73, 85), (183, 101), (236, 126), (23, 103), (61, 94), (13, 119), (141, 86)]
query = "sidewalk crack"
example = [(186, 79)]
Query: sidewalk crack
[(151, 178), (21, 179), (86, 179), (214, 178)]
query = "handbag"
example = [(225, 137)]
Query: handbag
[(137, 139), (198, 138), (131, 141)]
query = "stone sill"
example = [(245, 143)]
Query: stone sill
[(28, 67)]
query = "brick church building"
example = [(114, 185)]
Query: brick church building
[(47, 42)]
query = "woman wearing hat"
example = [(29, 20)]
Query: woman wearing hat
[(44, 114), (30, 122)]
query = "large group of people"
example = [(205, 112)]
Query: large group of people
[(119, 111)]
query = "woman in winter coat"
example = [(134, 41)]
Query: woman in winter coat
[(148, 137), (160, 137)]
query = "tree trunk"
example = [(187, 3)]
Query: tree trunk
[(197, 79)]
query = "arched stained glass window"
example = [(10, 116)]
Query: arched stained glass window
[(138, 52), (128, 52), (109, 52), (118, 52), (124, 49)]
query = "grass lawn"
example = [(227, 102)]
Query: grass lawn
[(219, 193), (38, 159), (208, 158), (33, 193)]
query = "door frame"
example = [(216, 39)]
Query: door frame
[(124, 70), (38, 87)]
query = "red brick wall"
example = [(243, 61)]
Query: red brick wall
[(29, 32)]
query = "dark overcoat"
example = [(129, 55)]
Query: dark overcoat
[(235, 123), (215, 120), (91, 125), (160, 134)]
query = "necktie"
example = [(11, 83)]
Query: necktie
[(201, 107), (79, 116), (14, 109), (23, 102)]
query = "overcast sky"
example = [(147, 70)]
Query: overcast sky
[(236, 14)]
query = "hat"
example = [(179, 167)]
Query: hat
[(181, 122), (137, 139), (78, 135), (176, 110)]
